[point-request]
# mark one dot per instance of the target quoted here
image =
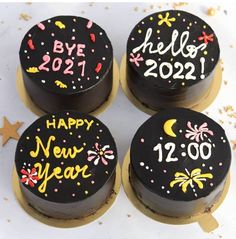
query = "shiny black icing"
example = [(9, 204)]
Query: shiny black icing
[(64, 197), (151, 178), (156, 92), (83, 93)]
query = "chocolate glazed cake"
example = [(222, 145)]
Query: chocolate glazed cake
[(171, 59), (179, 162), (66, 164), (66, 62)]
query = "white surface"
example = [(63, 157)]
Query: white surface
[(121, 117)]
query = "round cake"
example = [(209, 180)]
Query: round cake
[(66, 63), (66, 164), (179, 162), (171, 59)]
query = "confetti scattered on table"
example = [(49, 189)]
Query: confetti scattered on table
[(25, 17), (211, 11), (233, 142), (179, 5)]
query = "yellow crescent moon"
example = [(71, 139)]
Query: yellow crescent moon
[(168, 127)]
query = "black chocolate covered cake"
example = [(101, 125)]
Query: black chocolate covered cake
[(66, 63), (171, 59), (180, 160), (66, 164)]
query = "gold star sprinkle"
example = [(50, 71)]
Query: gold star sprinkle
[(9, 131)]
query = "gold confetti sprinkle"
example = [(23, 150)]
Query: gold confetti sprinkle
[(60, 84), (228, 108), (233, 115), (25, 17), (60, 24), (225, 82), (211, 11), (221, 121), (100, 223), (32, 69), (179, 4), (233, 142)]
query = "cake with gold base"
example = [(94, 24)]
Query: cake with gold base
[(179, 162), (171, 59), (67, 64), (66, 164)]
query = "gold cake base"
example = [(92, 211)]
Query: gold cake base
[(65, 223), (205, 219), (25, 98), (206, 99)]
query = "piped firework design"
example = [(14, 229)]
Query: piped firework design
[(65, 157), (180, 154), (66, 54), (172, 48), (189, 179)]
